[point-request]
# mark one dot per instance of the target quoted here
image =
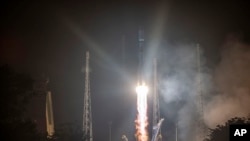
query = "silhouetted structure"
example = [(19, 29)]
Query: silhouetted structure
[(87, 114)]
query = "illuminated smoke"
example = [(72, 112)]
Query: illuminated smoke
[(178, 87), (232, 85), (142, 119), (225, 86)]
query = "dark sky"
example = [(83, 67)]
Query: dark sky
[(51, 38)]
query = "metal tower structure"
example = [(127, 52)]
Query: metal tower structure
[(201, 127), (87, 114), (176, 131), (156, 106), (49, 116), (110, 131), (124, 138)]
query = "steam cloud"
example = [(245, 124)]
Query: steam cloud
[(233, 83), (225, 88), (178, 70)]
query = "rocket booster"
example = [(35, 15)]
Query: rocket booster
[(141, 56), (141, 91)]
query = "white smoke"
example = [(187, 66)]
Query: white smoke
[(232, 83), (225, 88), (178, 69)]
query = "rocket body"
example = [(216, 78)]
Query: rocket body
[(141, 56), (141, 90)]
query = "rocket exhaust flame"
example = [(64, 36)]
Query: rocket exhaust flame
[(142, 119)]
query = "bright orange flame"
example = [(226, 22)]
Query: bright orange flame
[(142, 119)]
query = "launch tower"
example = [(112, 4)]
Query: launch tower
[(87, 114), (156, 107), (201, 127)]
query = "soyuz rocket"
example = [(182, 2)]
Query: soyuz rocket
[(142, 84), (141, 56)]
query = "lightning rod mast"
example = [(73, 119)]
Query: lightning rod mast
[(49, 116)]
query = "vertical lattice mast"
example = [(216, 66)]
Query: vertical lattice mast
[(201, 127), (87, 114), (156, 106)]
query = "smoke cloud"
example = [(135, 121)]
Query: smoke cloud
[(178, 83), (225, 88), (232, 85)]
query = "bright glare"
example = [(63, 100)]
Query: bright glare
[(141, 121), (141, 89)]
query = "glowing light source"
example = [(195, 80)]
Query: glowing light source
[(142, 119), (141, 89)]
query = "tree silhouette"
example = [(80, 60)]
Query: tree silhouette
[(221, 132), (16, 90), (69, 132)]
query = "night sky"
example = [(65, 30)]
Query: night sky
[(51, 38)]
